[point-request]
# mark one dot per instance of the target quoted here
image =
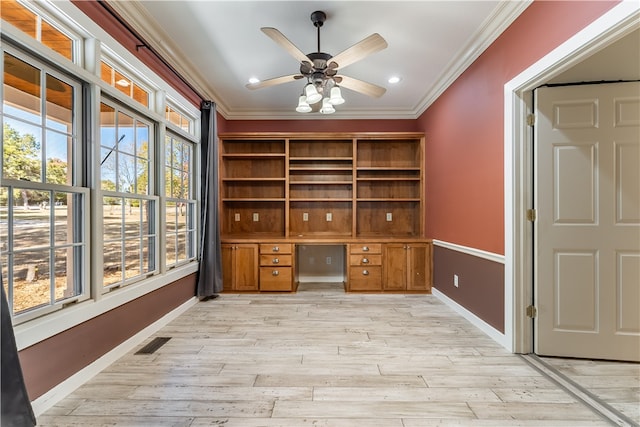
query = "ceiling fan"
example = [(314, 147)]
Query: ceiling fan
[(321, 70)]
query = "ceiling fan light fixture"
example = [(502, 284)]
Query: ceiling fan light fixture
[(336, 96), (303, 106), (312, 94), (327, 108)]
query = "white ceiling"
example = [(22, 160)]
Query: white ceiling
[(217, 46)]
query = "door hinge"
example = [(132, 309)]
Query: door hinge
[(531, 215), (532, 311), (531, 119)]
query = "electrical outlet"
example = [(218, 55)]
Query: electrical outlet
[(329, 217), (455, 280), (256, 217), (389, 216), (305, 216), (237, 217), (328, 260)]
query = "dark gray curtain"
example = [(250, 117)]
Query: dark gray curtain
[(14, 404), (210, 275)]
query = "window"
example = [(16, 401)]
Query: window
[(180, 208), (43, 237), (35, 26), (124, 84), (173, 115), (127, 183)]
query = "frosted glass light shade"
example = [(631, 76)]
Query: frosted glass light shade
[(312, 94), (336, 96), (303, 106), (327, 108)]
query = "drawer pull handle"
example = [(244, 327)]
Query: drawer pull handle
[(276, 249), (365, 248), (365, 260), (275, 261), (365, 272), (275, 273)]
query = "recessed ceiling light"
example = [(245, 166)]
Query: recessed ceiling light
[(254, 80), (394, 79)]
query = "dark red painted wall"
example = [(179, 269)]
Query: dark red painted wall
[(484, 301), (464, 127)]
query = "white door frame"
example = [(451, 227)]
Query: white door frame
[(518, 172)]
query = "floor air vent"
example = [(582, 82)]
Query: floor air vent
[(155, 344)]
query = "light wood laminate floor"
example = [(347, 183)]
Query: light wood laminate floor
[(321, 357)]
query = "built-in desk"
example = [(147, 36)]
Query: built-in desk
[(369, 265)]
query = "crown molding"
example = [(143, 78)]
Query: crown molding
[(502, 17)]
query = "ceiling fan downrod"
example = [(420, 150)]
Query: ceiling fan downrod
[(318, 17)]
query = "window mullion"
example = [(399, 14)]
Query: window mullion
[(52, 249)]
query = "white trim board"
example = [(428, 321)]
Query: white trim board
[(492, 332), (611, 26), (68, 386), (470, 251)]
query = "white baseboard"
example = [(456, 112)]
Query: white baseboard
[(493, 333), (68, 386)]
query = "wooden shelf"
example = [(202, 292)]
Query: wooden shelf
[(239, 179), (320, 182), (320, 199), (319, 168), (252, 155), (253, 199), (321, 159)]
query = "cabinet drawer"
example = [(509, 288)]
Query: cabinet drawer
[(275, 248), (275, 279), (365, 278), (366, 248), (275, 259), (365, 259)]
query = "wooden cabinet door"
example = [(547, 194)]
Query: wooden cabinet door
[(395, 266), (246, 268), (418, 271), (240, 267)]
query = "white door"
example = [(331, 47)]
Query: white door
[(587, 231)]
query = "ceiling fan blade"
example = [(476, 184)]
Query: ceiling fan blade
[(274, 81), (372, 44), (359, 86), (284, 42)]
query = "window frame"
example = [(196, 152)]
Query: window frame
[(119, 66), (189, 201), (77, 186), (151, 194), (52, 16), (169, 103)]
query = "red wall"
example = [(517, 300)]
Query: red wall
[(464, 127)]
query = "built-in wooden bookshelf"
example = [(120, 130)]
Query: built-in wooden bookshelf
[(334, 187)]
